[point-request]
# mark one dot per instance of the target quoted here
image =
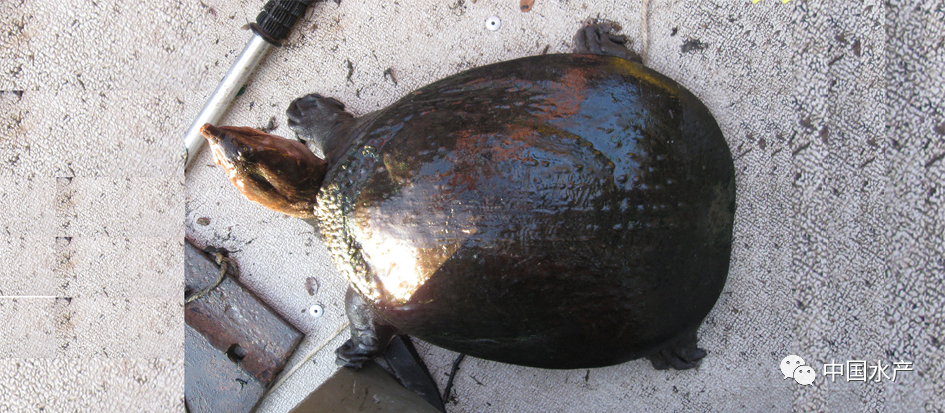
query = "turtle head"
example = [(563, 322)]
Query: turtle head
[(280, 174)]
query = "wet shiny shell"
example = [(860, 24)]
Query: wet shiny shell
[(558, 211)]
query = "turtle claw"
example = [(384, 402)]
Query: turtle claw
[(356, 351), (309, 109), (681, 355), (599, 37), (314, 118)]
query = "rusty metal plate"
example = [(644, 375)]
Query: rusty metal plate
[(214, 383), (235, 345)]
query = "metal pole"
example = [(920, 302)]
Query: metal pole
[(272, 26), (226, 91)]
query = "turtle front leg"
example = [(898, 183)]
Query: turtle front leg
[(682, 354), (320, 120), (369, 336), (599, 37)]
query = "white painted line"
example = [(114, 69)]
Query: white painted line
[(31, 296)]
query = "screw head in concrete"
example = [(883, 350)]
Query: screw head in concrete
[(493, 23), (315, 311)]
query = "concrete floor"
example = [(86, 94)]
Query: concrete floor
[(834, 112)]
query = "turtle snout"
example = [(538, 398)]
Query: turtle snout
[(212, 133), (225, 149)]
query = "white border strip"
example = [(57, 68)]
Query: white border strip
[(32, 296)]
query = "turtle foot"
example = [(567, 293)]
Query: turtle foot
[(314, 117), (357, 351), (369, 336), (311, 109), (599, 37), (681, 355)]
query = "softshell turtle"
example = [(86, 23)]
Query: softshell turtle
[(555, 211)]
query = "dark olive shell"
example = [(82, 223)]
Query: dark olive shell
[(558, 211)]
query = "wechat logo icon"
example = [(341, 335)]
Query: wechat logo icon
[(794, 367)]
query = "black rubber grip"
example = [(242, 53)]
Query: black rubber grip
[(277, 18)]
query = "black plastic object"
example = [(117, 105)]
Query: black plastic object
[(410, 370), (278, 17)]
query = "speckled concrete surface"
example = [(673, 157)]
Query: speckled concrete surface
[(834, 112), (91, 194)]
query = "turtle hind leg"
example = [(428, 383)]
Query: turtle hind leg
[(599, 37), (319, 120), (369, 337), (682, 354)]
